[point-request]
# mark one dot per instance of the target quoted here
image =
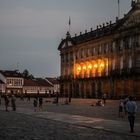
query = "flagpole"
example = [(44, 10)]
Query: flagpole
[(69, 24), (118, 9)]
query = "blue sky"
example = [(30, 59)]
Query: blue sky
[(31, 30)]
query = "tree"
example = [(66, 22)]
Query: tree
[(26, 74)]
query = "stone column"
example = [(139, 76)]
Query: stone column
[(115, 88), (90, 88), (84, 89), (133, 87), (123, 88), (96, 89), (80, 89)]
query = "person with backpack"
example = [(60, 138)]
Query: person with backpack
[(131, 108)]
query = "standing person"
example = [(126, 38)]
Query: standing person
[(131, 108), (28, 98), (35, 102), (125, 102), (0, 99), (40, 103), (104, 98), (6, 99), (57, 98), (121, 106), (13, 102)]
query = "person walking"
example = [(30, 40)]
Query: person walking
[(13, 102), (40, 103), (6, 99), (121, 106), (35, 102), (124, 104), (104, 98), (0, 99), (131, 108)]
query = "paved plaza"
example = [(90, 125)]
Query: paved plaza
[(76, 121)]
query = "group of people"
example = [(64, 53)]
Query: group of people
[(128, 107), (7, 100), (36, 101)]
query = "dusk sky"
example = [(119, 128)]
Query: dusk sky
[(31, 30)]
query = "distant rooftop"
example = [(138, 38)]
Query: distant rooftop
[(10, 73), (52, 80), (37, 82)]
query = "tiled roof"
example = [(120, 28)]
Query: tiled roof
[(9, 73), (36, 82)]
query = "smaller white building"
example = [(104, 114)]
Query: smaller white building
[(37, 86), (13, 81), (55, 83)]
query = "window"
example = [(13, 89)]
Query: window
[(77, 54), (121, 62), (67, 57), (94, 50), (113, 64), (130, 42), (62, 58), (100, 48), (81, 53), (113, 46), (121, 44), (71, 55), (89, 50), (130, 61), (106, 48)]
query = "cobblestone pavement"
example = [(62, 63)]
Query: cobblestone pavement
[(15, 126), (65, 122)]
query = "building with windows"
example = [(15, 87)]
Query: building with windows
[(13, 81), (37, 87), (55, 83), (105, 60)]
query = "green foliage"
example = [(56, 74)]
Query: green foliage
[(26, 74)]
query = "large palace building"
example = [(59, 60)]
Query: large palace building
[(105, 60)]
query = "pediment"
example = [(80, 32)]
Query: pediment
[(131, 19)]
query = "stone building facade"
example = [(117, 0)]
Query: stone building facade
[(105, 60)]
